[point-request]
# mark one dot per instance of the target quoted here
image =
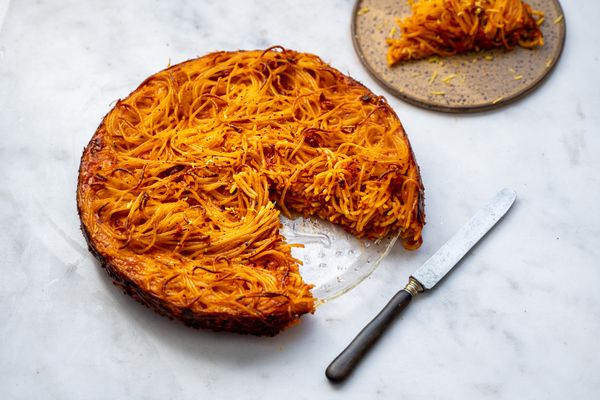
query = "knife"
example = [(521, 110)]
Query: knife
[(425, 278)]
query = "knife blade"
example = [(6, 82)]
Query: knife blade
[(424, 278)]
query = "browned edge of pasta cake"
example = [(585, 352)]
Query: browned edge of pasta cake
[(268, 325)]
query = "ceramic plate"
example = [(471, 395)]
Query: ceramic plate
[(463, 83)]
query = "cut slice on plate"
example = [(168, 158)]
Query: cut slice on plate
[(448, 27), (181, 187)]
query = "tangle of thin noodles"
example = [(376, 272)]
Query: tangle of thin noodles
[(448, 27), (179, 184)]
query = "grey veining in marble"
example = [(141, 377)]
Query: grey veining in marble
[(520, 319)]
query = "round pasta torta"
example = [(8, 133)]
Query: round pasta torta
[(181, 187)]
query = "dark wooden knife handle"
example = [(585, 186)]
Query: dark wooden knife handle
[(344, 364)]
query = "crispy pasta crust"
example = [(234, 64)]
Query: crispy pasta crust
[(181, 187)]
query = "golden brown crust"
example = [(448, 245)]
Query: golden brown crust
[(256, 288), (268, 325)]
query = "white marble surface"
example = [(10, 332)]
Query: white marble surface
[(519, 319)]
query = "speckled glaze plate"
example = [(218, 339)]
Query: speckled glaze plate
[(468, 82)]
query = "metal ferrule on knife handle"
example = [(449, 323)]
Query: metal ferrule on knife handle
[(413, 287)]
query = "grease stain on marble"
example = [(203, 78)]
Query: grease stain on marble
[(574, 142)]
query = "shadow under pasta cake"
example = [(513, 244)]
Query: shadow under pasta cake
[(181, 187)]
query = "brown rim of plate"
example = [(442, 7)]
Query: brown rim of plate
[(486, 85)]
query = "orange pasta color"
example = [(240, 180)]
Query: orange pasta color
[(448, 27), (181, 187)]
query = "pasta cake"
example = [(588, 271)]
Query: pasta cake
[(448, 27), (181, 187)]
